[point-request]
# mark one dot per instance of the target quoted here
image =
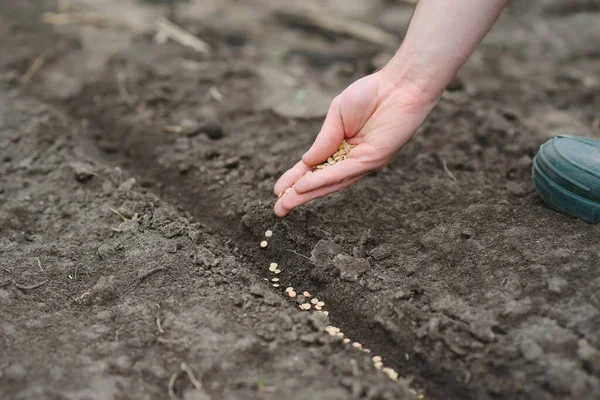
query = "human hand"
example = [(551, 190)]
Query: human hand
[(375, 116)]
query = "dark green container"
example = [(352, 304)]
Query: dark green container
[(566, 173)]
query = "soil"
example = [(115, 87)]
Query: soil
[(136, 185)]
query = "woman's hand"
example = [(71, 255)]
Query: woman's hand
[(373, 114)]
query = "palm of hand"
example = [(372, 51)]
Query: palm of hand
[(371, 115)]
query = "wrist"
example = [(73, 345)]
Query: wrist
[(408, 72)]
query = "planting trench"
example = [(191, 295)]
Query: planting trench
[(462, 280)]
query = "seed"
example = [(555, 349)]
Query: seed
[(264, 244), (340, 334), (291, 293), (321, 304), (356, 345), (391, 373), (276, 285), (273, 267), (421, 396), (277, 271), (318, 307), (378, 365), (326, 313), (279, 195), (366, 350), (306, 294), (346, 341), (269, 233), (377, 359), (275, 280), (314, 301), (289, 289), (288, 190), (305, 306)]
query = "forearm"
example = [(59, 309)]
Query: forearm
[(441, 36)]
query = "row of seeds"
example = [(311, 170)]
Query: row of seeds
[(307, 303)]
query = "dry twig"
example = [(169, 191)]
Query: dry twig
[(33, 69), (356, 29), (168, 30)]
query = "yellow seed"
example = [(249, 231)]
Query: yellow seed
[(321, 304), (306, 294), (318, 307), (275, 280), (378, 365), (288, 190), (330, 161), (269, 233), (264, 244), (291, 293), (289, 289), (314, 301), (377, 359), (356, 345), (273, 267), (346, 341), (340, 334)]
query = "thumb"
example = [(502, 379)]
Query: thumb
[(329, 138)]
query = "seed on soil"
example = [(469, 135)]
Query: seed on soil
[(273, 267), (291, 293), (276, 285), (377, 359), (356, 345), (326, 313), (346, 341), (340, 334), (314, 301), (305, 306), (264, 244), (306, 294), (366, 350), (289, 289), (275, 280), (269, 233), (277, 271), (318, 307), (321, 304), (391, 373), (378, 365)]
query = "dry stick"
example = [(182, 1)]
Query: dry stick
[(144, 275), (171, 385), (160, 329), (191, 375), (448, 172), (35, 286), (358, 30), (98, 21), (298, 254), (169, 30), (40, 264), (33, 69)]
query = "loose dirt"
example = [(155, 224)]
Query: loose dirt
[(136, 189)]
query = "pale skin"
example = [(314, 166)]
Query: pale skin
[(379, 113)]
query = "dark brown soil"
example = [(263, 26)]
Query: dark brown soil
[(144, 239)]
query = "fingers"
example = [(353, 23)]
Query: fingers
[(288, 179), (293, 199), (329, 138), (331, 175)]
